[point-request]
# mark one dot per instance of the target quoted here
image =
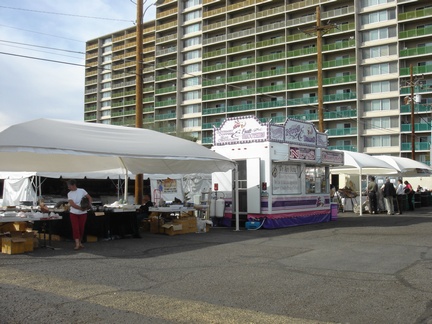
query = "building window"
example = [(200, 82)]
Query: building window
[(192, 28), (191, 109), (191, 95), (379, 51), (191, 82), (370, 3), (380, 141), (380, 104), (192, 15), (192, 55), (379, 69), (379, 33), (193, 68), (192, 41), (192, 3), (377, 87), (193, 122), (378, 16)]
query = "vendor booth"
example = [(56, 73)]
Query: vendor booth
[(283, 172)]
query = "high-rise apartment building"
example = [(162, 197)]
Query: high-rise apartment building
[(206, 60)]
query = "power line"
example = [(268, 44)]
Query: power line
[(66, 14), (41, 59), (32, 31), (53, 48), (39, 51)]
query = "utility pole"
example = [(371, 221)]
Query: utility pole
[(319, 30), (139, 91)]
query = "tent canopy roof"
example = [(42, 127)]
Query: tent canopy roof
[(66, 146)]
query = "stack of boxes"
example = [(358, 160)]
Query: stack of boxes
[(17, 237)]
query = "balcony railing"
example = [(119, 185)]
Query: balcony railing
[(416, 51), (165, 116), (342, 131), (351, 148), (419, 146), (420, 13), (340, 114), (417, 70), (415, 32), (211, 111), (417, 108), (417, 127)]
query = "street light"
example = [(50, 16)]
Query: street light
[(139, 84)]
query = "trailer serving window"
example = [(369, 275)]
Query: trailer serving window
[(316, 180)]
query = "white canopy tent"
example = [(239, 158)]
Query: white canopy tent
[(57, 146), (406, 167), (362, 164)]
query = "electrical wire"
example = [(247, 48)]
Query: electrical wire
[(53, 48), (65, 14)]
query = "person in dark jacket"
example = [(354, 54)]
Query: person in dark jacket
[(372, 189), (389, 193), (143, 213)]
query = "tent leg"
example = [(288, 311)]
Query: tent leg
[(237, 213)]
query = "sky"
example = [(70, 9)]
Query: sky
[(34, 34)]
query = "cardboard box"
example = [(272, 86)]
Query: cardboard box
[(20, 226), (92, 239), (13, 245)]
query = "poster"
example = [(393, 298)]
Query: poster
[(286, 179)]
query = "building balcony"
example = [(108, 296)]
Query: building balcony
[(166, 90), (417, 32), (166, 129), (241, 63), (421, 13), (212, 111), (165, 116), (90, 108), (419, 146), (271, 104), (417, 108), (427, 87), (271, 57), (214, 53), (416, 70), (214, 96), (241, 107), (167, 76), (207, 140), (166, 103), (216, 67), (274, 120), (340, 114), (350, 148), (269, 73), (309, 117), (211, 125), (416, 51), (418, 127), (213, 82), (342, 131)]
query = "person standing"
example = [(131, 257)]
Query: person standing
[(410, 192), (389, 192), (400, 195), (77, 215), (143, 213), (372, 189)]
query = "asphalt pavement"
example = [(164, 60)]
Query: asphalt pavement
[(358, 269)]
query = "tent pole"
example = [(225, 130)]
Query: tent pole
[(126, 180), (360, 181), (237, 216)]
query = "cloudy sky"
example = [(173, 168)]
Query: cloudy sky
[(42, 45)]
